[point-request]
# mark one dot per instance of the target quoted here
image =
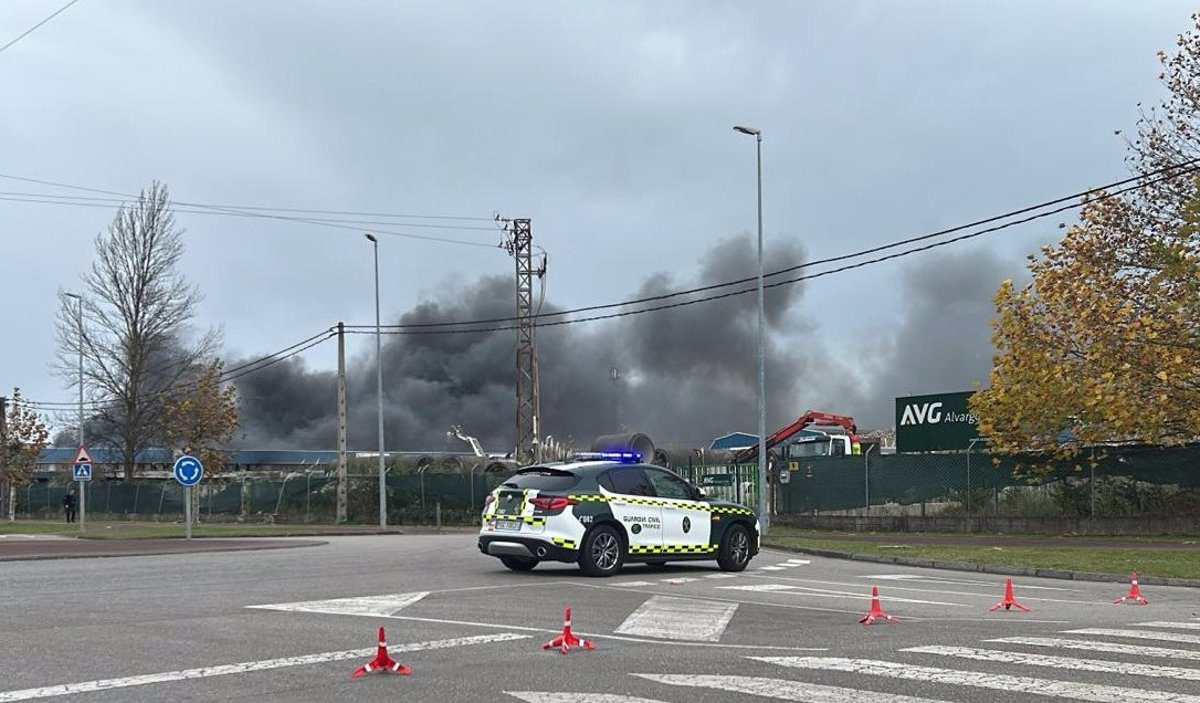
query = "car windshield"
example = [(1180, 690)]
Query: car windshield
[(542, 478)]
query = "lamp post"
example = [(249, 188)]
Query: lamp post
[(379, 387), (79, 322), (764, 509)]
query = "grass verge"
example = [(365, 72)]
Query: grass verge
[(1146, 560)]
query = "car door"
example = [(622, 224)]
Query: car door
[(631, 500), (686, 522)]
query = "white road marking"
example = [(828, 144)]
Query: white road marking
[(685, 619), (720, 576), (1047, 660), (995, 592), (1138, 634), (799, 562), (1107, 647), (802, 591), (367, 605), (242, 667), (1097, 693), (996, 589), (771, 568), (957, 582), (539, 697), (779, 689), (679, 580), (631, 584), (1176, 625)]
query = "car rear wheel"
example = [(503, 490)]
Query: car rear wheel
[(603, 551), (518, 563), (734, 553)]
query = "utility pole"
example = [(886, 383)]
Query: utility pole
[(615, 375), (12, 489), (520, 246), (341, 424)]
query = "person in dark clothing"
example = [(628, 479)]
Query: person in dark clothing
[(69, 505)]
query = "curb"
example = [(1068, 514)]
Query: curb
[(1001, 569)]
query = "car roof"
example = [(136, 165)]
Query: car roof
[(585, 467)]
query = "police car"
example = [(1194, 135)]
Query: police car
[(604, 509)]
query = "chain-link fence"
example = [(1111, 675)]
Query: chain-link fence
[(418, 498), (1109, 482)]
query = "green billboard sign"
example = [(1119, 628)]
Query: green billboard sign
[(935, 423)]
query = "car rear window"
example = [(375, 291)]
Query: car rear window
[(542, 479)]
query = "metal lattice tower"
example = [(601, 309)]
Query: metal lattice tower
[(528, 404)]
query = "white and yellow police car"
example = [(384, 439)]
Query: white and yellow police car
[(606, 508)]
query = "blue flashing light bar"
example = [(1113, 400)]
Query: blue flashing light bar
[(624, 457)]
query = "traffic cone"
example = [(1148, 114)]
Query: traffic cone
[(1009, 601), (876, 611), (1135, 594), (567, 639), (382, 662)]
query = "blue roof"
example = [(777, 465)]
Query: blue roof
[(734, 440), (244, 457)]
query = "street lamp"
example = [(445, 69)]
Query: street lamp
[(379, 380), (764, 508), (79, 342)]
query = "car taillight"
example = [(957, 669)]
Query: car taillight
[(552, 503), (489, 500)]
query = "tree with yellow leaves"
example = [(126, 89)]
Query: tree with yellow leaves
[(23, 436), (201, 419), (1104, 340)]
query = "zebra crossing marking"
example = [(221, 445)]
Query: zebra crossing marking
[(720, 576), (1107, 647), (548, 697), (1055, 662), (672, 618), (631, 584), (779, 689), (1179, 637), (1098, 693), (1176, 625)]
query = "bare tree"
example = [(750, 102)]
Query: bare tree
[(137, 310)]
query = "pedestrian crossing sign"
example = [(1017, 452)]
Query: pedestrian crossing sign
[(83, 471)]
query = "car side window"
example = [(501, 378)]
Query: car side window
[(629, 481), (668, 485)]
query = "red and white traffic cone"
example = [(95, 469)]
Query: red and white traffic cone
[(876, 611), (567, 639), (1135, 594), (1009, 602), (382, 662)]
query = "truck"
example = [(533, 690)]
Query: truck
[(814, 433)]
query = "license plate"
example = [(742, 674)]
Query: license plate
[(509, 525)]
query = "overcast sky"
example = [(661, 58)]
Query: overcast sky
[(609, 124)]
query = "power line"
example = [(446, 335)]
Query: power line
[(408, 329), (34, 28), (209, 209), (226, 375), (1104, 192)]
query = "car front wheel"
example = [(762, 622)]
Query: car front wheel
[(734, 553), (603, 551)]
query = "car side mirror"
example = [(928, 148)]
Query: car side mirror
[(701, 494)]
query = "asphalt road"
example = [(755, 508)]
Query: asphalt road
[(292, 624)]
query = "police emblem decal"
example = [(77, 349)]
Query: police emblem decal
[(687, 525)]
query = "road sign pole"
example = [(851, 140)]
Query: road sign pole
[(82, 506), (187, 509)]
